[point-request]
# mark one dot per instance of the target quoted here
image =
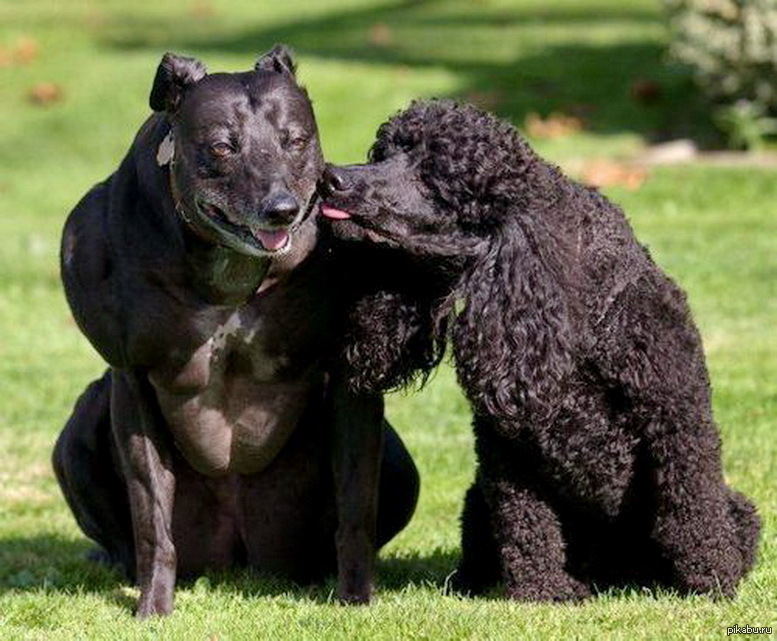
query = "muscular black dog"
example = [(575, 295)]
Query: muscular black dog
[(221, 434), (599, 458)]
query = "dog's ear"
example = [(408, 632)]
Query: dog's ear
[(173, 76), (278, 59), (513, 338)]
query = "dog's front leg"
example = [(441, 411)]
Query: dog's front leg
[(147, 468), (358, 434), (529, 542)]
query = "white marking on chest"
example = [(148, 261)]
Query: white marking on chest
[(238, 334), (232, 328)]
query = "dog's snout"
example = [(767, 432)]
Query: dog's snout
[(280, 210), (334, 181)]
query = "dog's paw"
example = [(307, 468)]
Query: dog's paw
[(558, 588), (711, 569), (155, 603), (721, 583), (351, 596)]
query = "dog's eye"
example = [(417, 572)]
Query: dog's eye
[(293, 142), (220, 150), (298, 143)]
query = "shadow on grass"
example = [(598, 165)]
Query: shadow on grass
[(53, 563), (393, 574), (616, 85)]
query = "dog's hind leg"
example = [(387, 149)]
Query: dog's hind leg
[(84, 464), (529, 543), (705, 531), (653, 353), (748, 526)]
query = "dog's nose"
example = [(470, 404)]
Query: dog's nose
[(334, 181), (280, 210)]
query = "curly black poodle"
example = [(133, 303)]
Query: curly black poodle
[(599, 460)]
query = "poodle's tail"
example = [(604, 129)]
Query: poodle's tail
[(748, 525)]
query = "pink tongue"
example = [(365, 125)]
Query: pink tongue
[(335, 214), (273, 240)]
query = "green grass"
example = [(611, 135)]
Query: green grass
[(713, 229)]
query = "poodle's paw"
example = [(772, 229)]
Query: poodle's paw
[(710, 585), (698, 580), (709, 554), (553, 588), (714, 570)]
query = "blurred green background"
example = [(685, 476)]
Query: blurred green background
[(589, 83)]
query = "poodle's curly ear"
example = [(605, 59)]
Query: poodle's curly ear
[(392, 341), (511, 341), (173, 76), (278, 59)]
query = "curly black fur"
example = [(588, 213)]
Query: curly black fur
[(391, 337), (598, 458)]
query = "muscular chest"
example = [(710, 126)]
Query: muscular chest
[(234, 391)]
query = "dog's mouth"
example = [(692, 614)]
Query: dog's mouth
[(249, 239), (347, 224)]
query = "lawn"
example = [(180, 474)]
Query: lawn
[(75, 81)]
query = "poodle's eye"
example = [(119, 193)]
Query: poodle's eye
[(293, 141), (298, 144)]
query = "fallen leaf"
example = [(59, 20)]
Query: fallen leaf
[(608, 173), (23, 52), (26, 50), (202, 9), (45, 93), (556, 125), (380, 35)]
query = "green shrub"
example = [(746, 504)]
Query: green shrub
[(745, 124), (731, 46)]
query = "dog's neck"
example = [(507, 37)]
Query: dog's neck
[(223, 276)]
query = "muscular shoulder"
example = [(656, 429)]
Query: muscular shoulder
[(87, 267)]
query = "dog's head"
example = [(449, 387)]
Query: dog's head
[(440, 178), (243, 150)]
